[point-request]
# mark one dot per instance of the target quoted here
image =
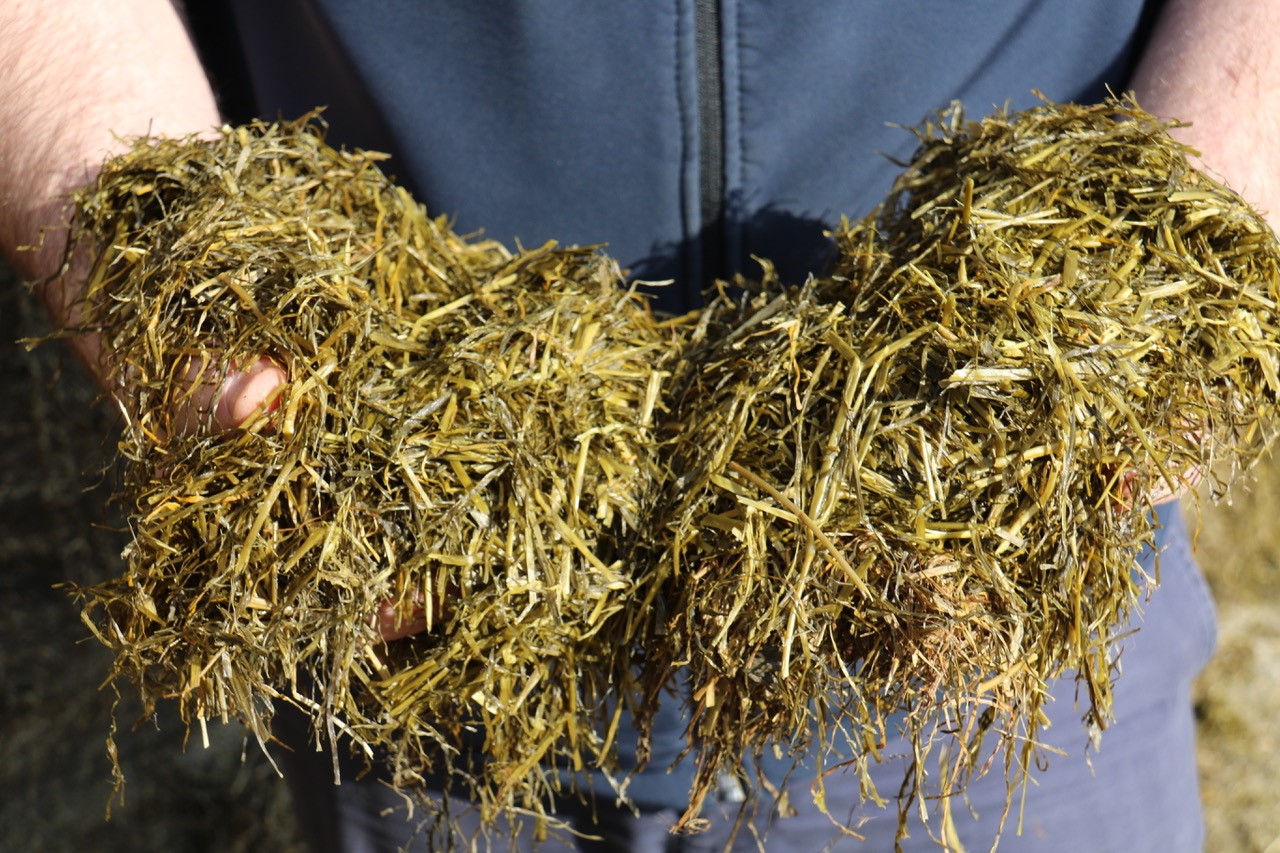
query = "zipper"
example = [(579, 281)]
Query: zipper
[(711, 136)]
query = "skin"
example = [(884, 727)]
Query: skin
[(77, 76), (61, 119), (1216, 65)]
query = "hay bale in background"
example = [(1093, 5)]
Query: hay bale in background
[(919, 486)]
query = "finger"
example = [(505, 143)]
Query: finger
[(249, 392), (1187, 483), (394, 626), (1160, 490), (222, 399)]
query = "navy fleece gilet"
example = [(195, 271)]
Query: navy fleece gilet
[(579, 121)]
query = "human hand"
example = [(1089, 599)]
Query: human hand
[(412, 617), (1165, 492), (227, 399), (394, 626), (1160, 489), (210, 397)]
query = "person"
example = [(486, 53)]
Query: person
[(687, 136)]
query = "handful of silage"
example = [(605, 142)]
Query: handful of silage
[(919, 486), (465, 432)]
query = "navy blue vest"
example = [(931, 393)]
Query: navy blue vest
[(685, 135)]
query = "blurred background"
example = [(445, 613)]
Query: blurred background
[(57, 527)]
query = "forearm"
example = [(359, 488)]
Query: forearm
[(1216, 64), (74, 78)]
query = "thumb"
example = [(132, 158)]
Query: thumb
[(245, 393), (227, 398)]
